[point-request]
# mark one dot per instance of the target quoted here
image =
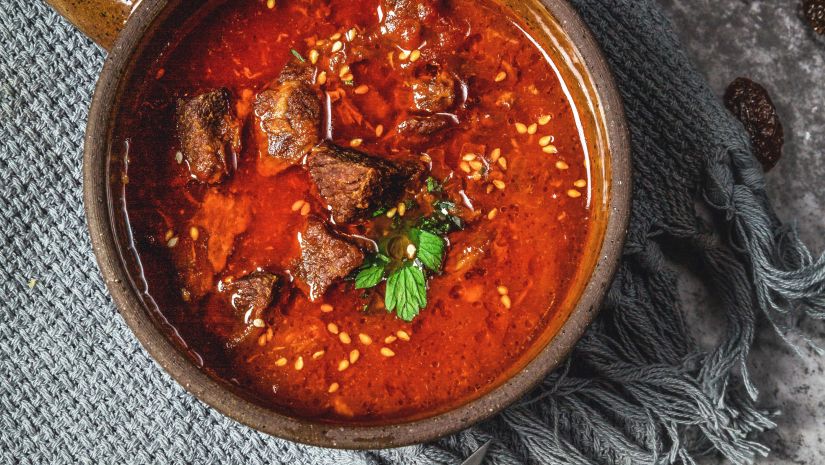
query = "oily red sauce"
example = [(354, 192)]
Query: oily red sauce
[(467, 339)]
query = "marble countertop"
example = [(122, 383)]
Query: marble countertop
[(768, 41)]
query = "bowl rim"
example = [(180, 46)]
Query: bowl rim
[(210, 391)]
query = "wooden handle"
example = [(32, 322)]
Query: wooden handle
[(100, 20)]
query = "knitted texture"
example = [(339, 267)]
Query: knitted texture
[(76, 387)]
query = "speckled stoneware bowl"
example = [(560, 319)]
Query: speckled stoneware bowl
[(147, 25)]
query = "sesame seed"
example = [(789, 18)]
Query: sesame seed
[(411, 251), (533, 128), (169, 234), (403, 335), (365, 339), (299, 364), (544, 119), (521, 128), (305, 209), (258, 323), (281, 362), (476, 165), (270, 4), (550, 149), (499, 184), (333, 387), (322, 78), (262, 340), (313, 56), (502, 162), (425, 158), (490, 188), (172, 242), (501, 76), (179, 157), (318, 354), (194, 233), (297, 205), (573, 193), (502, 290), (344, 337), (326, 308), (580, 183), (469, 157), (343, 71), (390, 339), (333, 328), (387, 352), (269, 334), (337, 46), (356, 142), (402, 208), (492, 214), (351, 34), (415, 55), (476, 176), (321, 42), (185, 294), (335, 36), (348, 78), (354, 355), (362, 89), (343, 365), (505, 300), (379, 130), (562, 165), (464, 166), (403, 55), (544, 141), (495, 154), (392, 212)]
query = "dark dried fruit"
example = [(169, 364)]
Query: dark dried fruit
[(752, 105), (814, 12)]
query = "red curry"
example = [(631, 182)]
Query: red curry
[(427, 108)]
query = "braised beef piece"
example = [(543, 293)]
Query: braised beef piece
[(192, 264), (418, 127), (814, 11), (752, 105), (355, 184), (209, 133), (325, 258), (434, 94), (404, 20), (238, 312), (289, 115)]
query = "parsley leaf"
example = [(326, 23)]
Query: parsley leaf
[(430, 248), (379, 212), (406, 291), (433, 185), (372, 272), (298, 56)]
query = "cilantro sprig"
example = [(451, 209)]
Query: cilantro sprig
[(407, 258)]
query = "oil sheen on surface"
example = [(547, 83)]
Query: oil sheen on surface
[(505, 275)]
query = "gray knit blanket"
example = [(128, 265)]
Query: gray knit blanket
[(76, 387)]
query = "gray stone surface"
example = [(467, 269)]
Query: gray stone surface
[(768, 41)]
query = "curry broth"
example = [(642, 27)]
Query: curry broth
[(507, 274)]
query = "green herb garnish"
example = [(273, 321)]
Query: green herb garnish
[(411, 252), (349, 83), (298, 56), (433, 185)]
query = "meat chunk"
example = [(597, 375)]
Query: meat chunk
[(222, 218), (289, 119), (419, 128), (434, 94), (325, 258), (404, 20), (355, 184), (193, 268), (209, 133), (238, 312)]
